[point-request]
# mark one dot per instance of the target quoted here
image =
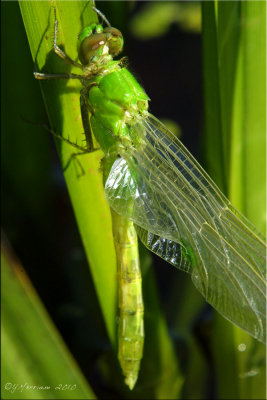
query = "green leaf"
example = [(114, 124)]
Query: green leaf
[(248, 128), (62, 104), (212, 103), (35, 361), (234, 64)]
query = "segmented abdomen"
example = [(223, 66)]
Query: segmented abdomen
[(131, 324)]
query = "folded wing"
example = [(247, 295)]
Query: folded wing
[(183, 217)]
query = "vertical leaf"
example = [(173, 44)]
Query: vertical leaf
[(62, 103), (238, 43), (248, 155)]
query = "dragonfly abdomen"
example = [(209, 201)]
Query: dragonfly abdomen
[(131, 308)]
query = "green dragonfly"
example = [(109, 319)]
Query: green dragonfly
[(156, 188)]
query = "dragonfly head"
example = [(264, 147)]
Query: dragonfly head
[(95, 41)]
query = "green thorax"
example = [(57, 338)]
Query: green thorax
[(116, 101)]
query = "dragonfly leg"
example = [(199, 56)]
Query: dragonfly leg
[(83, 150), (73, 156), (85, 118), (101, 15), (58, 50), (43, 76)]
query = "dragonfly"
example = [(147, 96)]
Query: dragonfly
[(156, 188)]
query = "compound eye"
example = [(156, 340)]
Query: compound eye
[(90, 45), (114, 40)]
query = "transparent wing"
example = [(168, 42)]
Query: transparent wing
[(184, 218)]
